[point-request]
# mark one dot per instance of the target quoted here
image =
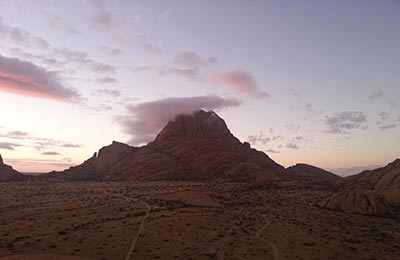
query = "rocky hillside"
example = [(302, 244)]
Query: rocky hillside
[(196, 147), (369, 192), (7, 173)]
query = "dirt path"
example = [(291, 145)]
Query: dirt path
[(141, 227), (272, 245), (128, 256)]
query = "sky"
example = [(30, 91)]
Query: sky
[(306, 81)]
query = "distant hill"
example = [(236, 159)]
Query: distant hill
[(7, 173), (197, 147), (311, 173), (305, 176), (369, 192)]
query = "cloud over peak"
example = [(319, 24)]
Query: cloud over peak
[(25, 78), (144, 120)]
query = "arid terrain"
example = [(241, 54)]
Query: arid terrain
[(197, 192), (182, 220)]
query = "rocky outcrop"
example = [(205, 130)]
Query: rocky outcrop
[(7, 173), (358, 201), (196, 147), (369, 192)]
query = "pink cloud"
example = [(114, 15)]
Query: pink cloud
[(25, 78), (241, 82)]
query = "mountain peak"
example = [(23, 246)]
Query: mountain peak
[(200, 124), (396, 162)]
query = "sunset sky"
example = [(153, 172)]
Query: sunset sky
[(305, 81)]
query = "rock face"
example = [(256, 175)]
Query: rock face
[(369, 192), (7, 173), (196, 147)]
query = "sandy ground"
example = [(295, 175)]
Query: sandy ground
[(129, 220)]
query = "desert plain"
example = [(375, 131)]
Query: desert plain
[(41, 219)]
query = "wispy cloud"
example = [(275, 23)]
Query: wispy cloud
[(191, 59), (106, 80), (190, 74), (392, 103), (25, 78), (344, 122), (153, 47), (32, 140), (21, 37), (258, 138), (310, 109), (101, 107), (144, 120), (101, 18), (69, 145), (50, 153), (110, 92), (295, 93), (8, 146), (376, 94), (271, 151), (384, 115), (293, 128), (197, 67), (383, 123), (111, 51), (58, 24), (292, 146), (63, 59), (82, 60), (387, 126), (18, 135), (104, 19)]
